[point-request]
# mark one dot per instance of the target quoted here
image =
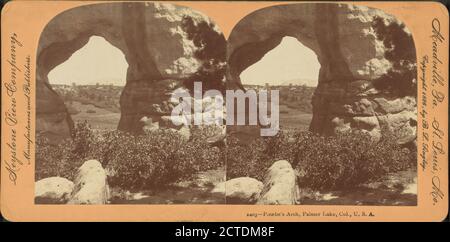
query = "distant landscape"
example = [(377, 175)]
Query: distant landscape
[(298, 82), (97, 104), (295, 104), (100, 104)]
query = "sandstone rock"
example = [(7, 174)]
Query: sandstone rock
[(167, 121), (351, 53), (185, 133), (366, 123), (148, 124), (403, 125), (90, 184), (363, 107), (155, 41), (280, 185), (341, 124), (359, 86), (53, 190), (357, 52), (240, 190), (160, 55), (396, 105)]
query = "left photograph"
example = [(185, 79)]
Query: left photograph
[(109, 78)]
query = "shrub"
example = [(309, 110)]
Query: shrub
[(211, 50), (334, 162), (254, 158), (348, 159), (400, 50), (160, 157), (150, 160), (52, 159), (156, 158), (64, 158)]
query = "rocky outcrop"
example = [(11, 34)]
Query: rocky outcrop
[(157, 40), (53, 190), (367, 57), (90, 184), (242, 190), (280, 185)]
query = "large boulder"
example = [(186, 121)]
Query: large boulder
[(90, 184), (53, 190), (280, 186), (240, 190)]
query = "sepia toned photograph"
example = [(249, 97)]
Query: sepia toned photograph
[(105, 78), (346, 77), (151, 103)]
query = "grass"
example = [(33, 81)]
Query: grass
[(294, 119), (102, 119)]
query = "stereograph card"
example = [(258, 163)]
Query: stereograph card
[(224, 111)]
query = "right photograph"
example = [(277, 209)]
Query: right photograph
[(339, 83)]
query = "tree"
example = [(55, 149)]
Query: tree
[(401, 52), (211, 51)]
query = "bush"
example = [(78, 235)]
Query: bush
[(253, 159), (156, 158), (334, 162), (400, 50), (52, 159), (64, 158), (160, 157), (349, 159), (150, 160)]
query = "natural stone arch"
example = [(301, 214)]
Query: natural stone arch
[(158, 49), (351, 55)]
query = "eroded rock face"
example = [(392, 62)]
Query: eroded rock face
[(90, 184), (280, 185), (157, 40), (366, 81), (368, 62), (240, 190), (53, 190)]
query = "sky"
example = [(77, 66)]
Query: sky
[(96, 62), (290, 60)]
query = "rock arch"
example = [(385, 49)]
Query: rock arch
[(157, 45), (354, 53), (353, 57)]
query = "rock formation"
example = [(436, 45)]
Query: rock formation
[(367, 57), (367, 78), (280, 186), (53, 190), (240, 190), (164, 45), (90, 184)]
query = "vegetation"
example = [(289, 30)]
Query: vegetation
[(101, 96), (334, 162), (211, 51), (297, 97), (161, 157), (150, 160)]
